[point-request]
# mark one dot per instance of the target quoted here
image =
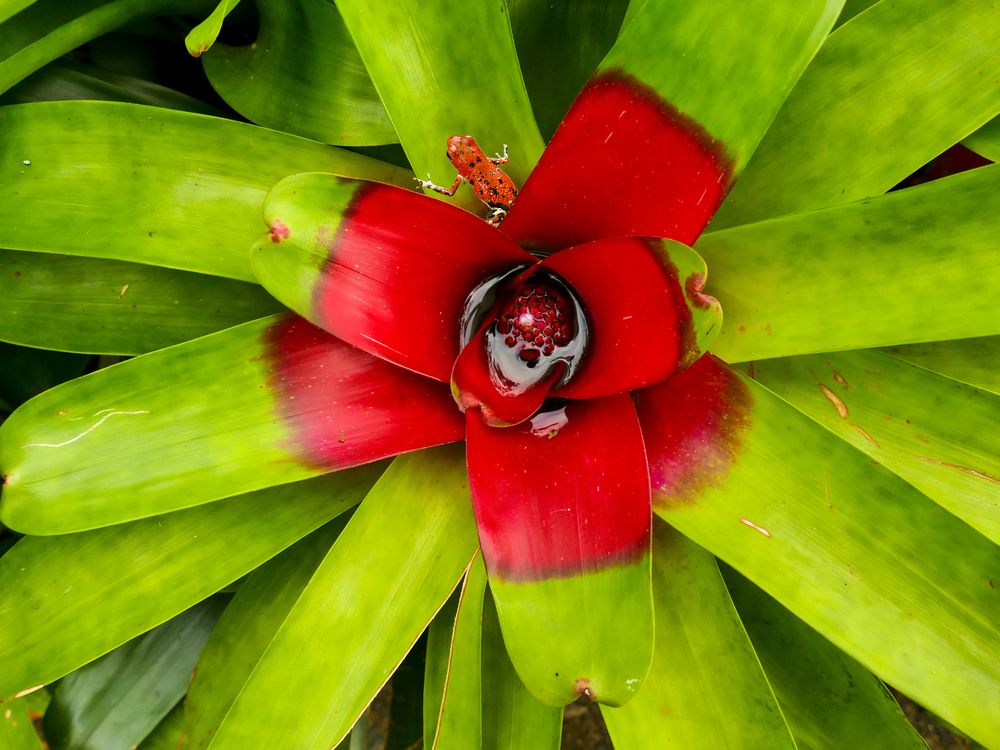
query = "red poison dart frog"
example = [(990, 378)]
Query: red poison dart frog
[(490, 184)]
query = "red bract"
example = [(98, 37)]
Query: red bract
[(541, 352)]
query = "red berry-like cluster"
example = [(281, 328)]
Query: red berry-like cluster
[(539, 317)]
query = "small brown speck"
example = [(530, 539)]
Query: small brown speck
[(834, 399), (121, 293)]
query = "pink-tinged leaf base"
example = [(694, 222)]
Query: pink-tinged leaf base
[(344, 407), (624, 162), (693, 425), (564, 493)]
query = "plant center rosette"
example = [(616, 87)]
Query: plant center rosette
[(543, 352)]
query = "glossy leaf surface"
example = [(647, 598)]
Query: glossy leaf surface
[(385, 269), (265, 403), (301, 75), (102, 306), (442, 72), (453, 692), (843, 543), (203, 36), (829, 700), (117, 700), (98, 172), (971, 361), (652, 143), (706, 688), (397, 561), (938, 435), (245, 630), (847, 131), (118, 582), (825, 272), (513, 719), (562, 510)]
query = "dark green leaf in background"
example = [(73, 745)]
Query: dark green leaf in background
[(114, 702), (93, 305), (66, 600)]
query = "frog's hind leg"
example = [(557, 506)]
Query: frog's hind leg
[(437, 188)]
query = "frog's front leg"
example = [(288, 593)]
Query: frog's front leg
[(497, 215), (437, 188), (500, 159)]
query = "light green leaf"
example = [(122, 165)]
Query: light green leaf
[(887, 92), (16, 730), (302, 75), (939, 435), (830, 701), (201, 38), (149, 185), (452, 687), (102, 306), (513, 719), (113, 703), (389, 572), (10, 8), (853, 550), (706, 688), (727, 66), (986, 140), (972, 361), (443, 72), (818, 281), (246, 629), (66, 600)]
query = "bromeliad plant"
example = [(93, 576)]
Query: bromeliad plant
[(564, 340)]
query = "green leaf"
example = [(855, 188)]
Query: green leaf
[(28, 372), (10, 8), (825, 272), (986, 140), (513, 719), (830, 701), (245, 630), (302, 75), (66, 600), (63, 80), (113, 307), (167, 734), (853, 550), (887, 93), (971, 361), (201, 38), (441, 73), (853, 8), (16, 730), (391, 569), (116, 701), (559, 45), (722, 64), (939, 435), (167, 441), (453, 708), (149, 185), (40, 36), (706, 688)]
